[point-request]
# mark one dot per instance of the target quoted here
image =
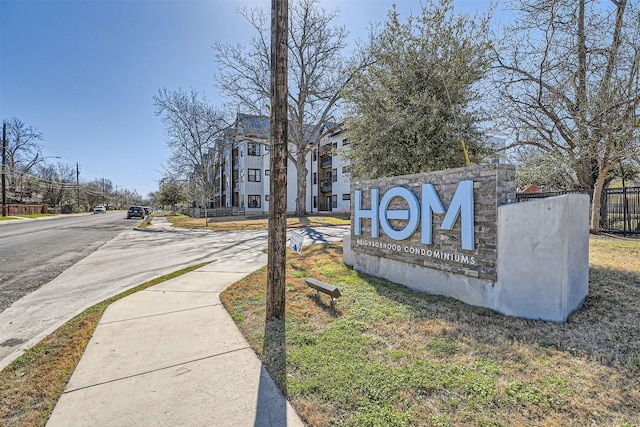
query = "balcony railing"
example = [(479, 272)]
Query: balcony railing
[(325, 161)]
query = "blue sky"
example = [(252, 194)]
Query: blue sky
[(84, 72)]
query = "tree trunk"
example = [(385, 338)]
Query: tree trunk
[(277, 237), (301, 194), (604, 212), (596, 201)]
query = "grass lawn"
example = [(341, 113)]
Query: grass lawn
[(6, 218), (248, 223), (37, 215), (32, 384), (388, 356)]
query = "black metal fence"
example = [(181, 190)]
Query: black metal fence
[(620, 208)]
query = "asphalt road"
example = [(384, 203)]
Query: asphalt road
[(34, 252)]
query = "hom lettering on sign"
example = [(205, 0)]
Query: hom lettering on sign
[(418, 214), (445, 220)]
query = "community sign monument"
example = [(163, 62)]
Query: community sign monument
[(460, 233)]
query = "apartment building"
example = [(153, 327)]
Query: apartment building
[(241, 170), (329, 186)]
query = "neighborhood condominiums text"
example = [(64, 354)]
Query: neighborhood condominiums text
[(436, 254)]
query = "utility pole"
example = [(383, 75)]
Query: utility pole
[(78, 185), (277, 236), (4, 172)]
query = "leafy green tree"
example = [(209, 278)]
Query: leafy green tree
[(409, 109), (171, 193)]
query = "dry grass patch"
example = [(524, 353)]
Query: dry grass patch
[(248, 223), (390, 356), (618, 255), (32, 384), (14, 217)]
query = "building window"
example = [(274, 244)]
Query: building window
[(345, 142), (254, 201), (315, 202), (267, 148), (266, 197), (334, 201), (254, 175), (314, 156), (253, 149), (266, 172), (346, 196), (315, 177), (335, 145), (335, 175)]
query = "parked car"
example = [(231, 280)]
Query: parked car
[(99, 209), (135, 211)]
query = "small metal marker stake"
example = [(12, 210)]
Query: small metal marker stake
[(295, 241)]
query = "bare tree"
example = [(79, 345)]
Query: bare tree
[(57, 183), (193, 127), (129, 197), (539, 167), (96, 190), (315, 70), (23, 152), (567, 79)]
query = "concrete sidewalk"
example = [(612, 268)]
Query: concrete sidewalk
[(172, 356), (158, 223)]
